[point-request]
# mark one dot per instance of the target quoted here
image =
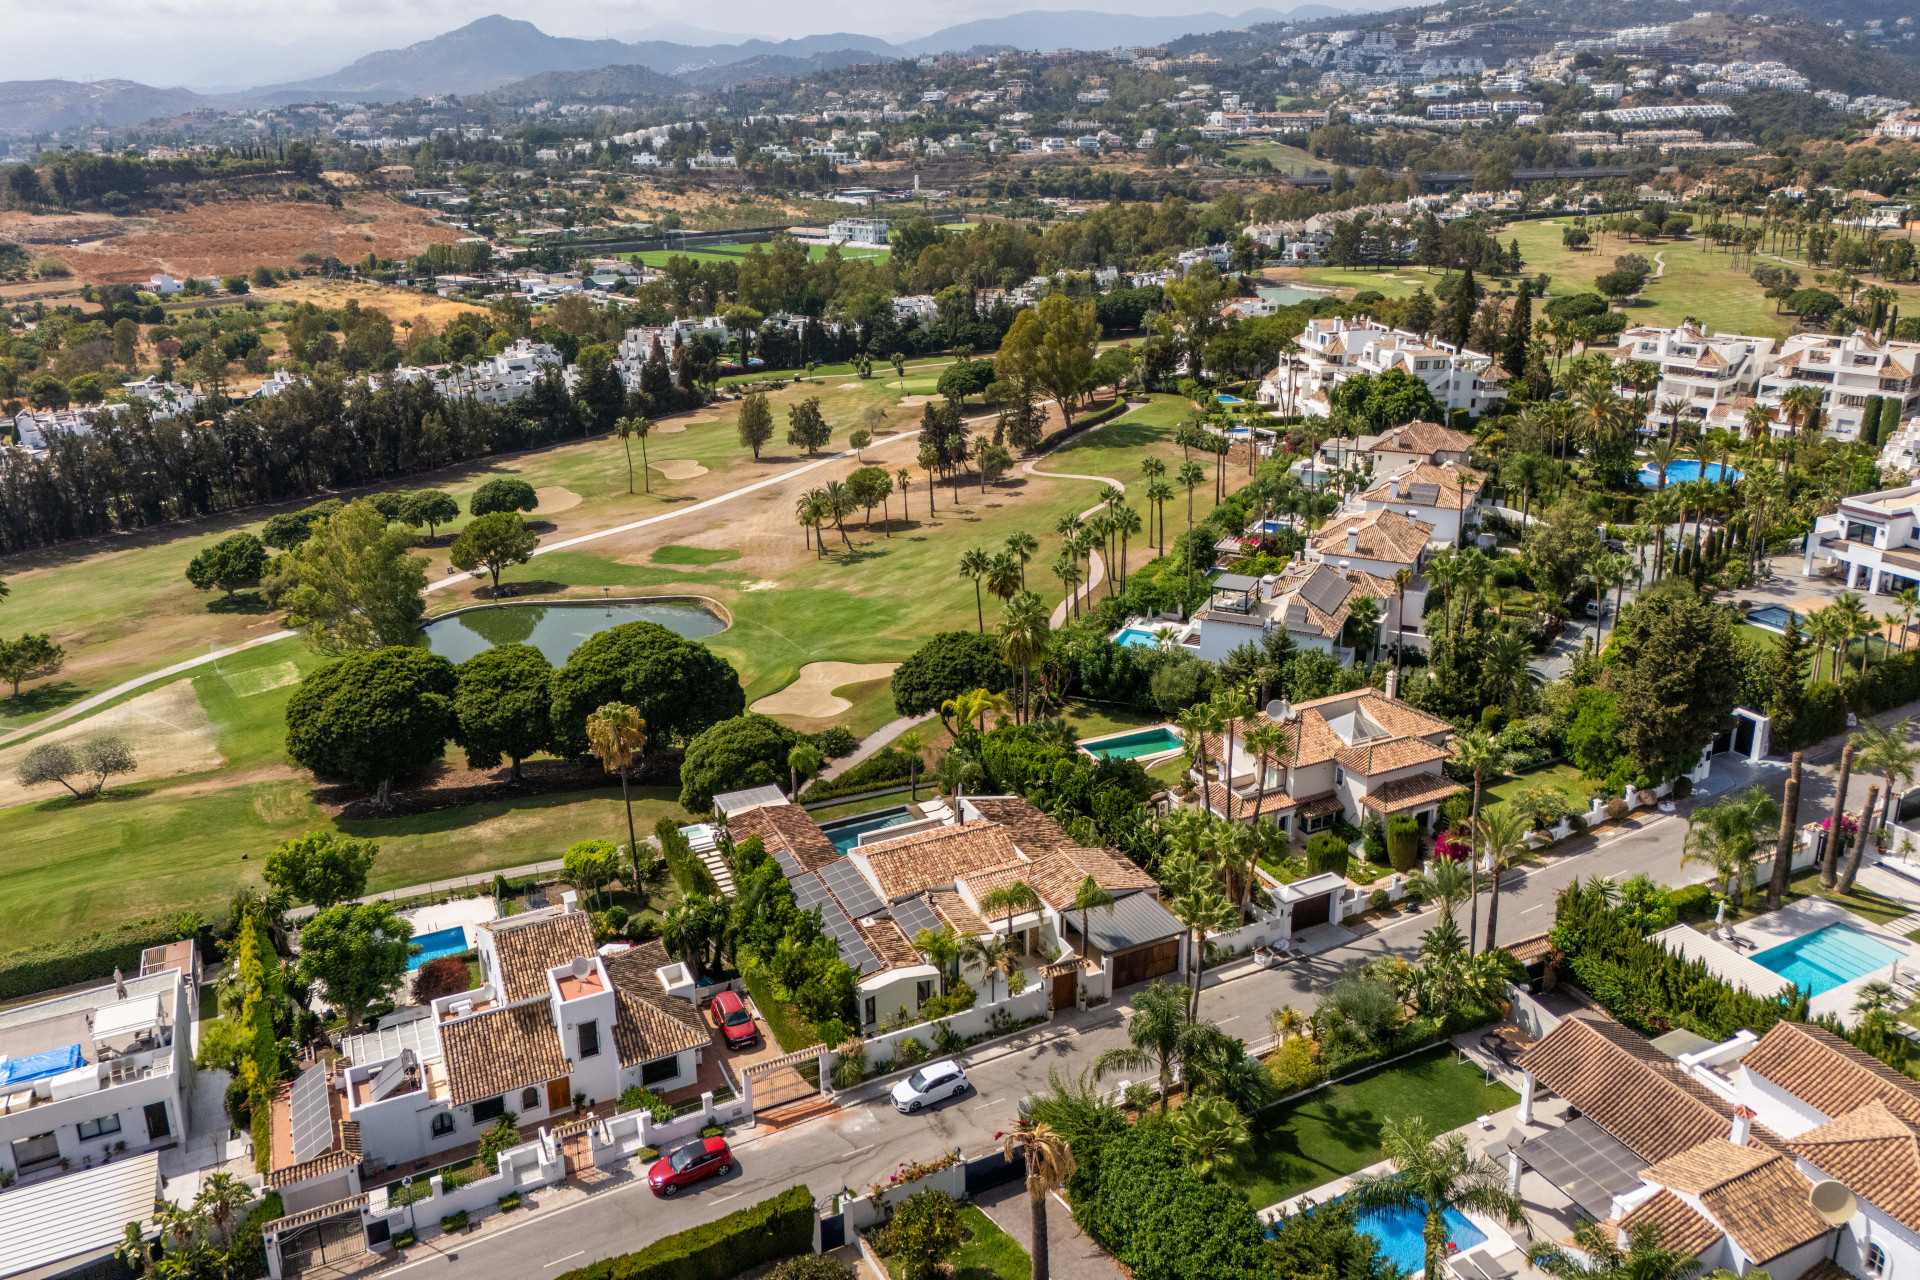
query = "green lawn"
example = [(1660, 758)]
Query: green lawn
[(1578, 791), (1337, 1130), (1091, 720), (1394, 282), (1863, 902), (988, 1254)]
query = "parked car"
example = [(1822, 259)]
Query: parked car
[(736, 1023), (694, 1162), (930, 1083)]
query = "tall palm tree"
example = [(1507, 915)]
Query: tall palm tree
[(1231, 705), (1086, 897), (1126, 523), (1158, 492), (1004, 576), (1023, 546), (1908, 599), (1727, 836), (975, 564), (1196, 724), (1503, 836), (1008, 901), (941, 948), (1203, 909), (1159, 1033), (1264, 740), (626, 429), (839, 504), (803, 761), (1598, 1255), (617, 734), (1401, 579), (1887, 752), (1830, 861), (1049, 1163), (1024, 630), (1431, 1177), (912, 742), (990, 952), (1445, 883), (1067, 568), (1190, 476)]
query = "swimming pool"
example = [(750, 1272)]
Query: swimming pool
[(1131, 746), (1402, 1239), (1686, 471), (1229, 400), (1827, 958), (846, 832), (1773, 617), (441, 942), (1136, 638)]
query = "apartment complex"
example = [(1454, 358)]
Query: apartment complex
[(1876, 536), (1713, 377), (1846, 370), (1335, 349)]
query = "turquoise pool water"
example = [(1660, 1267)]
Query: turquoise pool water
[(1400, 1233), (441, 942), (1229, 399), (1773, 617), (846, 832), (1135, 638), (1827, 958), (1686, 471), (1131, 746), (558, 629)]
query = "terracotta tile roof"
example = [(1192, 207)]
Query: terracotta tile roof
[(1425, 437), (338, 1160), (1320, 806), (1411, 793), (1680, 1226), (1034, 831), (1875, 1153), (1229, 805), (1756, 1194), (785, 826), (649, 1023), (1057, 876), (1451, 496), (952, 908), (1631, 1089), (934, 859), (1383, 534), (490, 1053), (1529, 950), (1373, 758), (889, 941), (1827, 1073), (527, 951), (982, 883)]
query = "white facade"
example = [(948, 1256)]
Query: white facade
[(1846, 371), (1335, 349), (1708, 373), (859, 231), (1874, 536)]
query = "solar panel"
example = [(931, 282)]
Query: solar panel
[(312, 1114), (1297, 617), (808, 892), (1425, 495), (853, 945), (851, 888), (1326, 591), (913, 915), (789, 865)]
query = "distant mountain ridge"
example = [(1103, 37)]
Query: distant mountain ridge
[(37, 106), (1090, 29)]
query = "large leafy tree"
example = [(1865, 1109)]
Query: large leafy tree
[(746, 751), (502, 493), (321, 867), (354, 584), (1676, 672), (373, 716), (28, 657), (1050, 347), (680, 688), (234, 562), (502, 704), (1327, 1244), (494, 542), (357, 954), (946, 666)]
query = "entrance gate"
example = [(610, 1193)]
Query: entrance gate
[(316, 1237)]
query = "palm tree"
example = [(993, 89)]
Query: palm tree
[(221, 1197), (1190, 476), (1008, 901), (1505, 666), (1158, 492), (626, 428), (941, 949), (1363, 626), (1446, 883), (1908, 599), (1401, 579), (1049, 1163), (1086, 897), (913, 742), (1431, 1177), (1067, 568), (990, 952), (1887, 752), (974, 564), (1503, 834), (1263, 741), (1195, 724), (1004, 577), (1023, 638), (1159, 1033), (1203, 909), (838, 505), (1126, 523), (617, 734), (1022, 546), (1231, 706), (1286, 1022), (1597, 1255), (803, 761), (1727, 837), (1211, 1132)]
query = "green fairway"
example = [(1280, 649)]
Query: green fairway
[(1394, 282), (1337, 1131), (657, 258)]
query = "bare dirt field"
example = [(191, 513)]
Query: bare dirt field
[(222, 236), (399, 304), (168, 729)]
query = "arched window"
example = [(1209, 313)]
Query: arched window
[(1876, 1260), (443, 1124), (529, 1099)]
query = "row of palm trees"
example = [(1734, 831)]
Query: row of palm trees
[(1846, 620)]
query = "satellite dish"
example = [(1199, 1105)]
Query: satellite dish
[(1278, 710), (1832, 1201)]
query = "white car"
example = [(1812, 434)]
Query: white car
[(930, 1083)]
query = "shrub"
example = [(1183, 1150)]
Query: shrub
[(713, 1129), (445, 976), (454, 1222), (946, 1040), (1682, 787), (924, 1233), (1379, 900), (777, 1228), (810, 1266), (647, 1153), (509, 1202), (950, 664), (912, 1052), (1576, 825), (850, 1064), (881, 1066), (637, 1098), (1136, 1194), (1327, 852), (1403, 842), (84, 958), (403, 1240), (834, 742), (1294, 1066), (1691, 902), (1617, 808)]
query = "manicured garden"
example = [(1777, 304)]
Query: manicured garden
[(988, 1253)]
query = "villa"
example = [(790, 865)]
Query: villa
[(1446, 497), (1731, 1149), (1706, 373), (1416, 443), (1875, 536)]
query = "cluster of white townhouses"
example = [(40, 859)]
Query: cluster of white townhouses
[(1334, 349)]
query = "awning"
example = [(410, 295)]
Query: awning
[(127, 1017), (1586, 1163), (1133, 921)]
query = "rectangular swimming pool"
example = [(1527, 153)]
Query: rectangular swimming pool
[(1135, 638), (1402, 1239), (1131, 746), (1827, 958), (1773, 617), (441, 942), (846, 832)]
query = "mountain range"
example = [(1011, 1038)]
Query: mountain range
[(36, 106)]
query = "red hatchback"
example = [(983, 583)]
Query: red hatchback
[(735, 1022), (695, 1162)]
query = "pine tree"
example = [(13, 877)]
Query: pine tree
[(1457, 320), (1787, 668), (1519, 332)]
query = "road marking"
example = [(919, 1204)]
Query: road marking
[(1224, 1021), (721, 1200), (570, 1257), (1535, 907)]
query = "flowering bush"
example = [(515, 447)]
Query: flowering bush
[(1452, 846), (913, 1171)]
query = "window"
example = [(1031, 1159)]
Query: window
[(41, 1148), (530, 1099), (866, 1012), (99, 1128), (1876, 1260), (589, 1033), (922, 991), (442, 1124), (489, 1109), (1339, 777), (660, 1070)]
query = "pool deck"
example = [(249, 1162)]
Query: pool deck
[(1147, 761), (1732, 963), (467, 913)]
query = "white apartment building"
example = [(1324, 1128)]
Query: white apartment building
[(1708, 373), (1875, 535), (859, 231), (97, 1075), (1335, 349), (1846, 370)]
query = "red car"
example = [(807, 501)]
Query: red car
[(735, 1022), (695, 1162)]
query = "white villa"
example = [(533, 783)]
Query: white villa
[(1875, 535), (1445, 496), (1709, 373), (1334, 349), (1846, 370)]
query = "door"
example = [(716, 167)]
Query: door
[(558, 1099), (1142, 963), (833, 1232), (1312, 911), (157, 1126), (1066, 991)]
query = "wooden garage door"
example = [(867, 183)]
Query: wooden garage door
[(1311, 911), (1146, 962)]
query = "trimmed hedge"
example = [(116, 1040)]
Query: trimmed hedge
[(777, 1228), (883, 768), (1054, 439), (32, 970)]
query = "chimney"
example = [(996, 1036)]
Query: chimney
[(1395, 489), (1393, 683), (569, 901), (1353, 539), (1742, 1125)]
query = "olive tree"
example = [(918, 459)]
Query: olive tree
[(91, 763)]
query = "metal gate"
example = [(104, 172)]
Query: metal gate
[(833, 1231), (994, 1170), (322, 1242)]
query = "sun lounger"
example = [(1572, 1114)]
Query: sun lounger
[(1494, 1268), (1462, 1265)]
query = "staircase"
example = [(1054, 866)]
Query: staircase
[(1902, 449), (707, 849)]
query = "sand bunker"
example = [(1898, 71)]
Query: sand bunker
[(679, 468), (168, 729), (765, 584), (914, 402), (811, 696), (669, 428), (553, 498)]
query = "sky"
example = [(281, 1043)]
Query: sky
[(238, 43)]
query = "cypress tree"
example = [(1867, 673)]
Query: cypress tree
[(1457, 322), (1870, 422), (1519, 332)]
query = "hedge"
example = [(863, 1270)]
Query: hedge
[(32, 970), (881, 769), (1053, 439), (777, 1228)]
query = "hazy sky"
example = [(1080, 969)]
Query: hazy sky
[(229, 43)]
